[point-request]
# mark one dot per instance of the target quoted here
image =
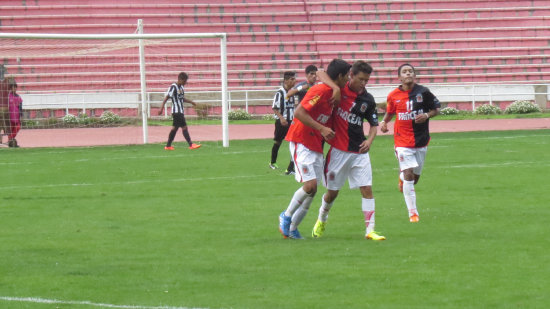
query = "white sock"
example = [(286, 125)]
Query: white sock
[(297, 199), (367, 205), (300, 214), (410, 196), (402, 176), (324, 209)]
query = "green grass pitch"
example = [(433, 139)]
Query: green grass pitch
[(140, 226)]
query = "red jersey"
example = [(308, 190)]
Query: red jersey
[(15, 102), (316, 103), (406, 105), (347, 119)]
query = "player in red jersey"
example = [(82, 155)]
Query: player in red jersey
[(414, 105), (306, 134), (348, 157), (4, 104)]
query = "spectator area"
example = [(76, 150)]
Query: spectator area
[(491, 41)]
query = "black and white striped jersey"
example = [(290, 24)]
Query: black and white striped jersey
[(302, 88), (176, 93), (285, 107)]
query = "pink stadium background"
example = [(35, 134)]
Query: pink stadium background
[(452, 42)]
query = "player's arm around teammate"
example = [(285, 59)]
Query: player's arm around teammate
[(306, 134)]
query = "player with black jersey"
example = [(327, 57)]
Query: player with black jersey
[(283, 110), (348, 157), (301, 88), (414, 105), (176, 93)]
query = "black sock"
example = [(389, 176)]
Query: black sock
[(187, 137), (290, 167), (171, 137), (275, 152)]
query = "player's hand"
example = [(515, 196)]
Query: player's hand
[(327, 133), (384, 127), (364, 147), (421, 118), (284, 123), (336, 96)]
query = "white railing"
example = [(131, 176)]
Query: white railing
[(471, 94)]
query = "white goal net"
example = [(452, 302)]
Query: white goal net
[(100, 81)]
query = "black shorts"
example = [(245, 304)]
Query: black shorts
[(280, 131), (178, 120)]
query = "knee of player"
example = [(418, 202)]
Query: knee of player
[(310, 187), (366, 192), (330, 196), (408, 174)]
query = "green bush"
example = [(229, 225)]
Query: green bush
[(522, 107), (268, 117), (487, 109), (83, 118), (238, 114), (70, 119), (52, 121), (449, 111), (108, 117), (29, 123)]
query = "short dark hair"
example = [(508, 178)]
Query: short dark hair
[(404, 65), (183, 76), (311, 68), (288, 75), (361, 66), (337, 67)]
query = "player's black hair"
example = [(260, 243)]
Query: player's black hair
[(404, 65), (337, 67), (361, 66), (288, 75), (183, 76), (311, 68)]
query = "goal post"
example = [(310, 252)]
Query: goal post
[(34, 46)]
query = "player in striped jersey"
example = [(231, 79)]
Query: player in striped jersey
[(176, 93), (414, 105), (348, 157), (283, 109)]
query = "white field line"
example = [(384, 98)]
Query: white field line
[(477, 165), (132, 182), (487, 137), (146, 157), (497, 165), (38, 300)]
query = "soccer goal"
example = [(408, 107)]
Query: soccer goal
[(109, 80)]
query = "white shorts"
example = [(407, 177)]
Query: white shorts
[(308, 164), (411, 158), (341, 166)]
